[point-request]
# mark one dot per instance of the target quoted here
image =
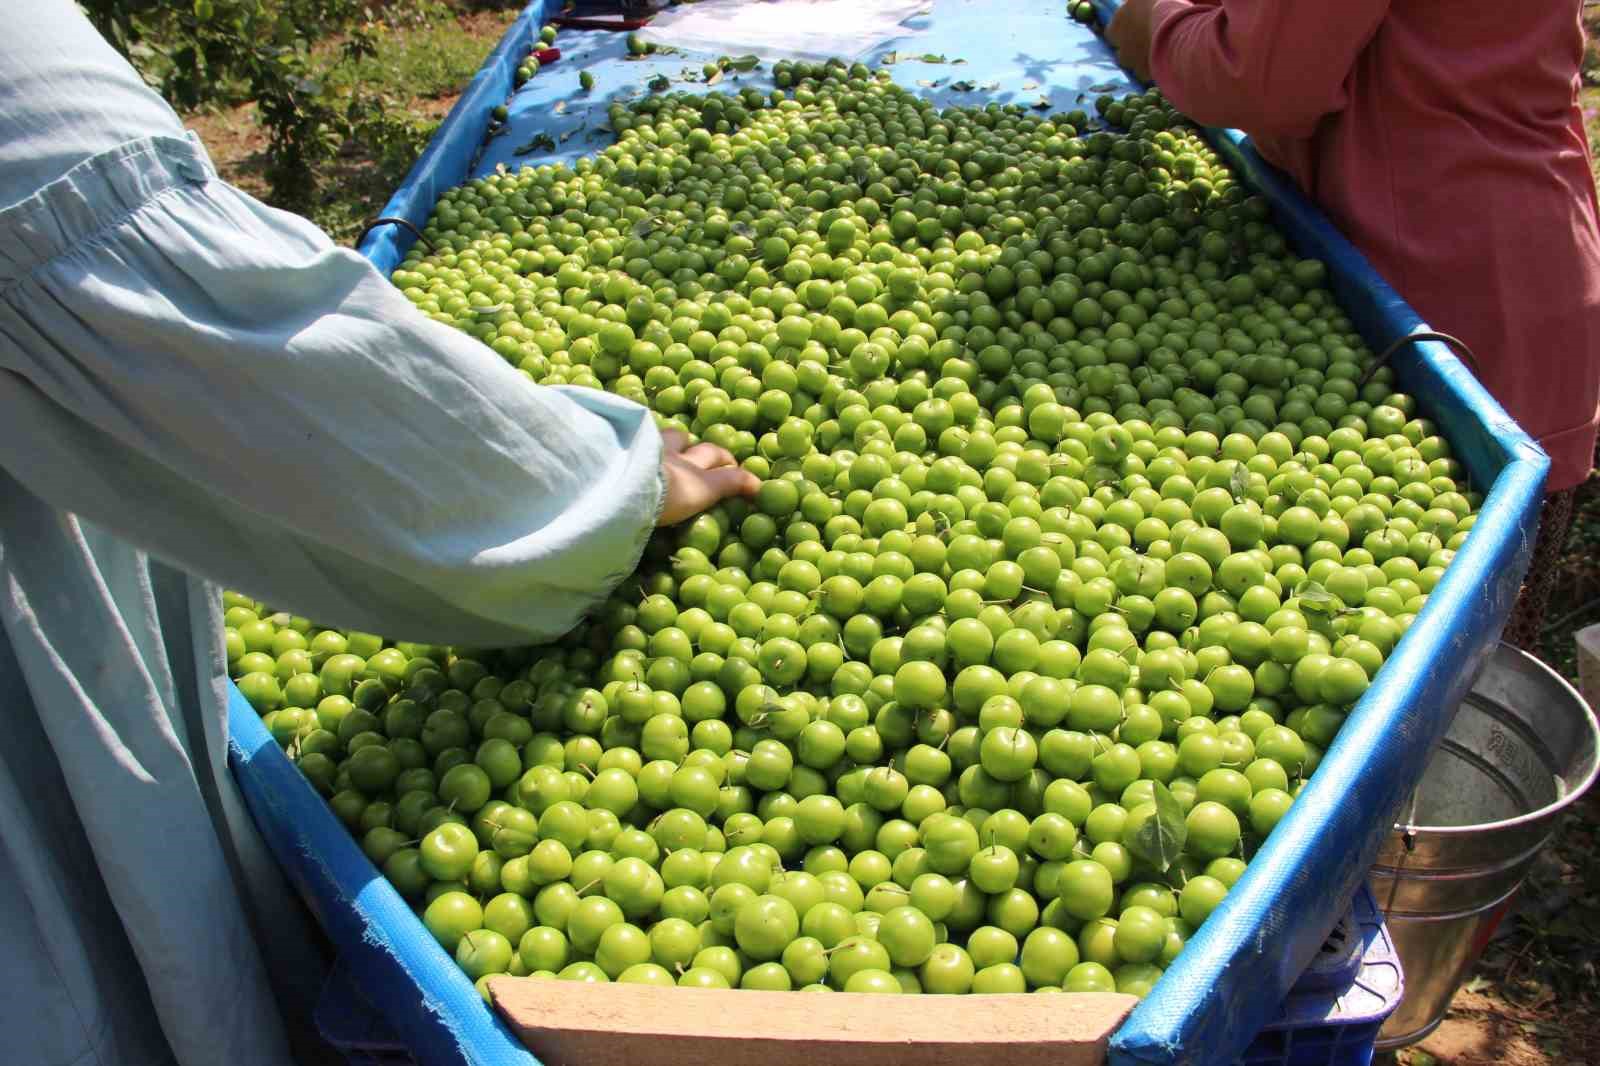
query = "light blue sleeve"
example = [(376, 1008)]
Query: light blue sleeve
[(217, 382)]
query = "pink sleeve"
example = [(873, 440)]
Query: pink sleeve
[(1264, 66)]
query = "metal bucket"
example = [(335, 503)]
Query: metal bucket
[(1521, 748)]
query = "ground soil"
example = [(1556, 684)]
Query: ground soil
[(1484, 1030)]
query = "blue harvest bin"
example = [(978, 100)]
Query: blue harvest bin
[(1229, 982)]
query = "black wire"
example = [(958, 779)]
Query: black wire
[(396, 220), (1456, 344)]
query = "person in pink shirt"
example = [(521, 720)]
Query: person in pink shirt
[(1447, 142)]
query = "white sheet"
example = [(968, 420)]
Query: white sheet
[(775, 29)]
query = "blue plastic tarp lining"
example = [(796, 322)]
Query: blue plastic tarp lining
[(1236, 970)]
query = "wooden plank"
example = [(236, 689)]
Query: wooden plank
[(574, 1024)]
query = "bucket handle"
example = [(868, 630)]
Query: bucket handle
[(1408, 839)]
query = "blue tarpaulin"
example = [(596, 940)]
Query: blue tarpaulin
[(1229, 980)]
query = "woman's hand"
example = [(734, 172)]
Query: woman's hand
[(698, 476), (1129, 35)]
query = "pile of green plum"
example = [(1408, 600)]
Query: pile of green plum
[(1085, 520)]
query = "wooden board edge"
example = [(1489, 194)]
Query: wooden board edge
[(577, 1024)]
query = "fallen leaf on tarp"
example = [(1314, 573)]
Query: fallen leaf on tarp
[(540, 141), (1029, 86), (962, 86), (1104, 87), (929, 57), (1042, 104), (992, 87), (715, 77), (745, 62), (559, 108), (658, 84), (890, 59)]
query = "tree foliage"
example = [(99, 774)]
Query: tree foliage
[(203, 52)]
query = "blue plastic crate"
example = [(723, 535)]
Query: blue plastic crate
[(1225, 987), (1330, 1019), (1338, 960), (1333, 1014)]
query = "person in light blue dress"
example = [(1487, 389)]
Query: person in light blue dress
[(197, 389)]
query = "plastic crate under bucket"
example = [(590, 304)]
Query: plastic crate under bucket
[(1330, 1019), (1521, 748), (1333, 1014)]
